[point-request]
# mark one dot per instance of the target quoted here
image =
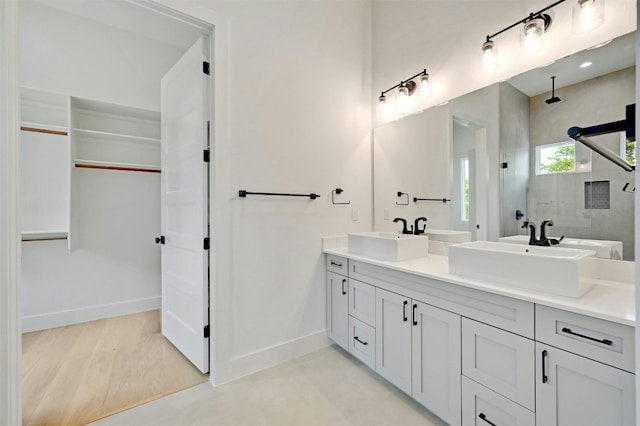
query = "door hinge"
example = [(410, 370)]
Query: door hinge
[(206, 331), (206, 243), (205, 67), (205, 155)]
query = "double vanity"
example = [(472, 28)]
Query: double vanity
[(493, 334)]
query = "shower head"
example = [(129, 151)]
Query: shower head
[(553, 99)]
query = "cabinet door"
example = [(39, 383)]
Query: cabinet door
[(501, 361), (436, 360), (338, 309), (573, 390), (393, 338)]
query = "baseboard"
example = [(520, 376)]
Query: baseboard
[(269, 357), (91, 313)]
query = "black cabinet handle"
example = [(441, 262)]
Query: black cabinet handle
[(483, 417), (413, 314), (337, 264), (603, 341), (343, 283), (545, 379), (364, 343), (404, 311), (160, 239)]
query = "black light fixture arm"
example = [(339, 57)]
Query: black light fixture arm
[(531, 17), (423, 72)]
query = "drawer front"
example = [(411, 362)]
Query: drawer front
[(483, 407), (499, 360), (362, 342), (337, 264), (362, 302), (500, 311), (605, 341)]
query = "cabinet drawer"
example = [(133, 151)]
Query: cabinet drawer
[(483, 407), (362, 302), (337, 264), (362, 342), (502, 361), (601, 340), (500, 311)]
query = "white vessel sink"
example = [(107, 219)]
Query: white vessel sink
[(603, 248), (448, 235), (388, 246), (560, 271)]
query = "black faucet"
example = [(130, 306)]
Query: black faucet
[(416, 226), (533, 241), (544, 241), (405, 230)]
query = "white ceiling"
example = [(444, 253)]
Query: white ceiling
[(132, 16), (617, 55)]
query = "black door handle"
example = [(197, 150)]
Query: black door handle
[(404, 311), (160, 239), (413, 314), (364, 343), (343, 290), (483, 417), (545, 379)]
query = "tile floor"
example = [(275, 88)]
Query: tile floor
[(327, 387)]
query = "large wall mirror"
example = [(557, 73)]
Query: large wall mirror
[(487, 161)]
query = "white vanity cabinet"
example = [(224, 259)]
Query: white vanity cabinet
[(580, 378), (419, 351), (574, 390), (474, 357), (337, 294)]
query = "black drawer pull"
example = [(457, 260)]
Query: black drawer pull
[(483, 417), (336, 264), (603, 341), (545, 379), (404, 311), (364, 343), (343, 283)]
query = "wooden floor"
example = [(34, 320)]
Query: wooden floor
[(76, 374)]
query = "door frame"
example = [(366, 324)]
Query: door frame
[(10, 242)]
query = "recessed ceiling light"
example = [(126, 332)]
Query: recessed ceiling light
[(604, 43), (586, 64)]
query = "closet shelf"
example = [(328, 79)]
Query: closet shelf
[(109, 165), (95, 134)]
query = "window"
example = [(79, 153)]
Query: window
[(464, 189), (627, 149), (556, 158)]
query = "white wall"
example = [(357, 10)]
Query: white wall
[(116, 269), (298, 120)]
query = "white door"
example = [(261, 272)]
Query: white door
[(338, 309), (393, 338), (184, 206)]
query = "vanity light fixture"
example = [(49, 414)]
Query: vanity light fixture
[(408, 87), (587, 15), (535, 25)]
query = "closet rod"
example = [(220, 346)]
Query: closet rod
[(38, 130), (27, 239), (121, 168)]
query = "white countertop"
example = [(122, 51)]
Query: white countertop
[(608, 300)]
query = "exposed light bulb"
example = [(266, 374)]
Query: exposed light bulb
[(587, 15), (403, 91), (531, 37), (382, 103), (489, 56), (425, 85)]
